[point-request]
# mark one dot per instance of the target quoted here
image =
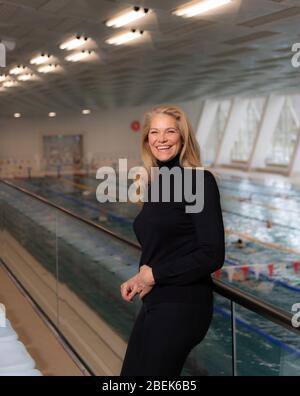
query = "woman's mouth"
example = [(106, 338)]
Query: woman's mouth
[(163, 148)]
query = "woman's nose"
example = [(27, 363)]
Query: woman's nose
[(162, 137)]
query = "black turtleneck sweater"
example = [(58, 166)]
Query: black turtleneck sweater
[(182, 248)]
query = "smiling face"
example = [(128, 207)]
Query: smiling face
[(164, 137)]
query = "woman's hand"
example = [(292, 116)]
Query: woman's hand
[(147, 275), (140, 283), (134, 286)]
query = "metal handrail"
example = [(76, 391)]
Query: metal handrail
[(276, 315), (254, 304), (72, 214)]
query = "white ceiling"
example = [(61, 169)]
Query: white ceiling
[(244, 48)]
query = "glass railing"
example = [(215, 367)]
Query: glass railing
[(72, 268)]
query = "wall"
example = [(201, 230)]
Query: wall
[(104, 132)]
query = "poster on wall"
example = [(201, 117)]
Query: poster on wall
[(63, 152)]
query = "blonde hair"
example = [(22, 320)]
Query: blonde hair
[(190, 150)]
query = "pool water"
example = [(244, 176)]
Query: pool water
[(265, 266)]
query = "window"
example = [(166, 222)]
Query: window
[(285, 136)]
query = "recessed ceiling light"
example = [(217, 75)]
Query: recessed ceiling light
[(74, 42), (190, 10), (52, 114), (40, 59), (18, 70), (3, 77), (28, 77), (10, 83), (17, 115), (78, 56), (127, 17), (52, 68), (125, 37)]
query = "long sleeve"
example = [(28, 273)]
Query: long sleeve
[(209, 253)]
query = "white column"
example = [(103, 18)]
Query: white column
[(294, 169), (238, 108), (204, 128), (206, 120), (2, 316), (268, 123)]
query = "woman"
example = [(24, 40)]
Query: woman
[(179, 252)]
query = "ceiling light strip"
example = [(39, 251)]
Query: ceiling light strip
[(200, 7)]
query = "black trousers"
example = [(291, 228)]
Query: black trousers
[(163, 335)]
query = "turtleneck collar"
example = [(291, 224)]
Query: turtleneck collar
[(169, 163)]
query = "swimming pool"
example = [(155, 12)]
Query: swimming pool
[(247, 205)]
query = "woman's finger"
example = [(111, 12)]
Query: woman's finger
[(131, 287), (133, 292), (125, 289)]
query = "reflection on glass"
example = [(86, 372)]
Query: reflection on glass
[(265, 348), (213, 356), (30, 246)]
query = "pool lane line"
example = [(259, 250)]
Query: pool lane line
[(250, 202), (252, 193), (271, 245), (87, 205), (295, 187), (260, 220), (86, 187), (266, 277), (78, 185), (255, 329)]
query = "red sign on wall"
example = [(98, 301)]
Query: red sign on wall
[(135, 126)]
